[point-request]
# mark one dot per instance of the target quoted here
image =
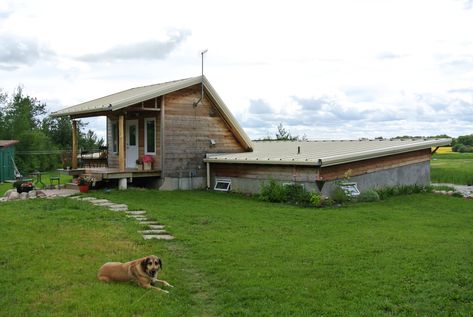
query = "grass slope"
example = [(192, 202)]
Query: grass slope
[(235, 256), (455, 168)]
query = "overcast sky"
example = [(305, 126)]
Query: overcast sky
[(325, 69)]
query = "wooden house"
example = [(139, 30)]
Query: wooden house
[(195, 142)]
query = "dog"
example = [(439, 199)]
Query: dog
[(142, 271)]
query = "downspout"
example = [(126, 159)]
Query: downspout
[(208, 175)]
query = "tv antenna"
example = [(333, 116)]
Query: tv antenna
[(202, 79)]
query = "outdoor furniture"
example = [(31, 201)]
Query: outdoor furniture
[(38, 181), (53, 179)]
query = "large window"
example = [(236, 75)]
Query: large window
[(150, 136), (114, 137)]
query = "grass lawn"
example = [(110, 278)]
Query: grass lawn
[(235, 256), (456, 168)]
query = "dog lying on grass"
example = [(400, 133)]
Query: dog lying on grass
[(142, 271)]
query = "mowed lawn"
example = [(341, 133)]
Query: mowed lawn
[(453, 167), (235, 256)]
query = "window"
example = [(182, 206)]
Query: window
[(114, 137), (150, 136), (351, 189), (223, 185)]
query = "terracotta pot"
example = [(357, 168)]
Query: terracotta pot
[(84, 188)]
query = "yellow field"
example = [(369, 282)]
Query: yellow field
[(443, 150)]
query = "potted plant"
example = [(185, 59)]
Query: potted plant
[(84, 183), (139, 164), (148, 162)]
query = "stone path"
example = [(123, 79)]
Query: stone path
[(466, 191), (154, 230)]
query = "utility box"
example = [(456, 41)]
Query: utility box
[(7, 159)]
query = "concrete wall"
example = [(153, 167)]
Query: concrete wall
[(417, 173)]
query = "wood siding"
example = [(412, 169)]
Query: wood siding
[(311, 173), (188, 131)]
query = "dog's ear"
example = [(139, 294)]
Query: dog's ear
[(144, 263), (160, 263)]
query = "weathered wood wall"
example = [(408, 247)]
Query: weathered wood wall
[(135, 113), (188, 131), (309, 173)]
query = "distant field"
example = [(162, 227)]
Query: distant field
[(452, 167)]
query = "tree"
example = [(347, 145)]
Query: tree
[(284, 135)]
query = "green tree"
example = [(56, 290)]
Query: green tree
[(284, 134)]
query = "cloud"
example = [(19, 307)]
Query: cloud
[(468, 4), (259, 106), (389, 55), (148, 50), (16, 52)]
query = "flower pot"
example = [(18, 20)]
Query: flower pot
[(147, 166), (139, 167), (84, 188)]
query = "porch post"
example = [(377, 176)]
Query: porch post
[(121, 143), (74, 145)]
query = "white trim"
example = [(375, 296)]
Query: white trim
[(226, 181), (146, 120)]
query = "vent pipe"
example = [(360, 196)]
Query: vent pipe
[(202, 81)]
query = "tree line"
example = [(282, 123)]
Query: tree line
[(45, 141)]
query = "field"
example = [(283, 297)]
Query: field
[(452, 167), (236, 256)]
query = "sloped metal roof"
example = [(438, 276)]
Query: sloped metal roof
[(7, 143), (133, 96), (323, 153)]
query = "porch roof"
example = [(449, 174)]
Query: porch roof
[(135, 95)]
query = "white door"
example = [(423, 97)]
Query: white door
[(131, 143)]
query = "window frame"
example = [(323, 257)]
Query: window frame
[(146, 120), (114, 137)]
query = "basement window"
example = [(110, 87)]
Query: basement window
[(223, 184), (350, 189)]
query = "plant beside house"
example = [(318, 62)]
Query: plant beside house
[(148, 161), (84, 182)]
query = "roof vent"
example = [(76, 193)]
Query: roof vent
[(298, 150)]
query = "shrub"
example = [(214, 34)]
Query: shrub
[(368, 196), (316, 199), (339, 195), (273, 192), (387, 192), (296, 194)]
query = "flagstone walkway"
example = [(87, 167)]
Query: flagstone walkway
[(153, 229)]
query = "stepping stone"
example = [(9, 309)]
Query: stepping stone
[(104, 204), (158, 237), (100, 201), (148, 232), (76, 197), (148, 222), (136, 212), (156, 227), (89, 198), (118, 207), (139, 218)]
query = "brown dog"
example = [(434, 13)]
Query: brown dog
[(143, 271)]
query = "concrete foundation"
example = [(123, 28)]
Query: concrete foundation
[(183, 183), (418, 173)]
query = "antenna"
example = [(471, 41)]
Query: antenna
[(202, 80)]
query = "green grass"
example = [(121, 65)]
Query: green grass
[(455, 168), (235, 256)]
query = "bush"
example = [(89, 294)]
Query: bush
[(339, 195), (316, 200), (387, 192), (273, 192), (368, 196)]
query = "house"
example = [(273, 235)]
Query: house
[(196, 142), (7, 160)]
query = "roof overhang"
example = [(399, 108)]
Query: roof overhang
[(329, 160), (126, 98)]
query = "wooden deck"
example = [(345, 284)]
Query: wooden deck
[(104, 173)]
